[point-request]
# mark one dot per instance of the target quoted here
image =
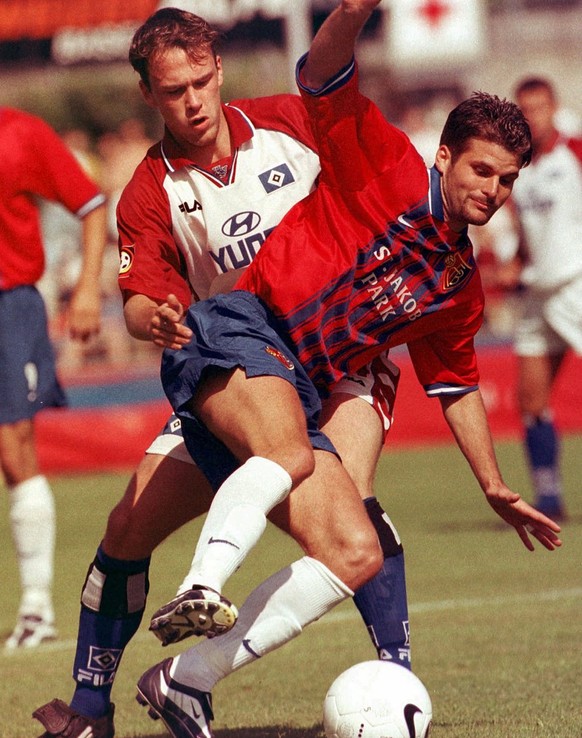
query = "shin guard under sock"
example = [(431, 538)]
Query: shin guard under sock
[(112, 606), (382, 601)]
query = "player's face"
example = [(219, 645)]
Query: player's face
[(187, 95), (539, 108), (476, 183)]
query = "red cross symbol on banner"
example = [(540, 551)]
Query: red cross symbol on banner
[(433, 11)]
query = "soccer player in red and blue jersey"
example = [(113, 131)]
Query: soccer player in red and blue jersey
[(377, 256)]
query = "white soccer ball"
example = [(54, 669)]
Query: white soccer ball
[(377, 699)]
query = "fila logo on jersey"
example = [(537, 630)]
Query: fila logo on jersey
[(274, 179), (125, 259), (185, 208), (275, 353)]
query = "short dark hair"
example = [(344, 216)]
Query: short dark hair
[(170, 28), (489, 118), (533, 84)]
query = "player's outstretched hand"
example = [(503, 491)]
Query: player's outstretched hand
[(167, 329), (526, 520)]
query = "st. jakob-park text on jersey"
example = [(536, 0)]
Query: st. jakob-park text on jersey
[(366, 262), (184, 230)]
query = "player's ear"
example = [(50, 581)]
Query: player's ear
[(146, 93), (219, 70), (443, 158)]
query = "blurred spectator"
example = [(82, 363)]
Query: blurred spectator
[(121, 151), (496, 245), (548, 195), (118, 152), (34, 162)]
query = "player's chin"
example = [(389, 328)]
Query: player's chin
[(479, 216)]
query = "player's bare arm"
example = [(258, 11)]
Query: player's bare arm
[(467, 419), (333, 46), (84, 314), (160, 323)]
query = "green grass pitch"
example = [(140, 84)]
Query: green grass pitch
[(496, 630)]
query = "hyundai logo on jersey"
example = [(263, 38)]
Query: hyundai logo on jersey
[(241, 224), (274, 179)]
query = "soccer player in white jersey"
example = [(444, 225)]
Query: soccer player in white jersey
[(548, 196), (194, 215)]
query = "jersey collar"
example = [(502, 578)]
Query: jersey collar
[(437, 208), (241, 131), (435, 196)]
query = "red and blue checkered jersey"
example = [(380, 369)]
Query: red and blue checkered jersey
[(366, 261)]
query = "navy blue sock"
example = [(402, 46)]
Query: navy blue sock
[(543, 450), (382, 601), (112, 606)]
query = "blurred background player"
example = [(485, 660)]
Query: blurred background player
[(34, 162), (548, 196)]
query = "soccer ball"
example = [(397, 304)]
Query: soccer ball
[(377, 699)]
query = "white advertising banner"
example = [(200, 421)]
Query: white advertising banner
[(435, 32)]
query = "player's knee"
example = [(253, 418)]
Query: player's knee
[(17, 456), (363, 558), (118, 524), (124, 536)]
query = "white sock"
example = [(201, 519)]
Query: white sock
[(32, 519), (274, 613), (236, 520)]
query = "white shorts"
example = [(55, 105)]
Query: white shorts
[(551, 321), (375, 383)]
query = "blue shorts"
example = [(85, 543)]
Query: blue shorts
[(28, 380), (232, 330)]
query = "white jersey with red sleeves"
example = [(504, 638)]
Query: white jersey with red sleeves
[(185, 230), (367, 262), (548, 195), (34, 162)]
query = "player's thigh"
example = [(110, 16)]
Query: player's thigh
[(163, 494), (535, 378), (325, 515), (256, 416), (354, 427), (18, 459)]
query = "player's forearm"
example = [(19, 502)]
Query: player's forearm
[(467, 420), (333, 45), (94, 240), (138, 312)]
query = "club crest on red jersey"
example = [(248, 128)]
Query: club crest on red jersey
[(275, 353), (456, 271), (125, 259)]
